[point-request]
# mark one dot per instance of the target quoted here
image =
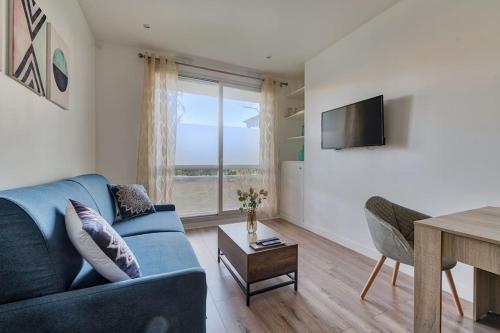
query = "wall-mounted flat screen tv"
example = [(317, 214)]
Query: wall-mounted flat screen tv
[(356, 125)]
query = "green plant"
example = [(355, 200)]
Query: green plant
[(252, 199)]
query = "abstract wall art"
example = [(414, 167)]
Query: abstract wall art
[(58, 80), (28, 45)]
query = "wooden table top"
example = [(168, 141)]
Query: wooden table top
[(239, 234), (481, 224)]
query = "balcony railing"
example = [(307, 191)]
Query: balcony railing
[(196, 188)]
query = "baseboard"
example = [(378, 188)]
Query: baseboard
[(215, 221), (342, 241), (212, 222)]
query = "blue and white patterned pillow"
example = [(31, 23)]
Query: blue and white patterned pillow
[(131, 201), (100, 244)]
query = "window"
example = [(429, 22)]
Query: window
[(202, 125)]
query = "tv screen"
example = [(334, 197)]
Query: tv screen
[(355, 125)]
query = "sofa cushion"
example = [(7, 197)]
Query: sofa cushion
[(157, 222), (100, 244), (157, 253), (97, 187), (162, 252), (87, 277), (132, 200), (36, 255)]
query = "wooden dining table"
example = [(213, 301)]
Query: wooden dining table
[(471, 237)]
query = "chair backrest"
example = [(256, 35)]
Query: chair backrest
[(36, 255), (391, 227)]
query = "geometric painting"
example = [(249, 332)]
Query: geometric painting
[(58, 82), (28, 45)]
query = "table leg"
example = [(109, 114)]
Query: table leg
[(486, 293), (296, 284), (248, 294), (218, 256), (427, 312)]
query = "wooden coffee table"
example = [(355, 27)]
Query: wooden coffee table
[(255, 266)]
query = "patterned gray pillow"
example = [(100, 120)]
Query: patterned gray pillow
[(131, 200), (100, 244)]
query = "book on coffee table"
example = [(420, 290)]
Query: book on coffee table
[(261, 245)]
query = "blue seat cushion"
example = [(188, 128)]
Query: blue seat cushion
[(162, 252), (156, 222), (157, 253), (87, 277)]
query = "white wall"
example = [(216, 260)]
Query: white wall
[(39, 141), (438, 65), (119, 78)]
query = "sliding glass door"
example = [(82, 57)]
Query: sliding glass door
[(218, 130), (195, 190), (241, 143)]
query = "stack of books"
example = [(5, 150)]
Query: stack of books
[(267, 243)]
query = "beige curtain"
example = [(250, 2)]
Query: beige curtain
[(157, 132), (269, 145)]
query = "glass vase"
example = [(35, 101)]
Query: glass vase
[(251, 221)]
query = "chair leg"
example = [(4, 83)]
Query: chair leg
[(372, 277), (395, 273), (454, 293)]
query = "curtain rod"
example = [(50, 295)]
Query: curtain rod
[(141, 55)]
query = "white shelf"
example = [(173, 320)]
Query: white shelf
[(296, 138), (296, 115), (297, 92)]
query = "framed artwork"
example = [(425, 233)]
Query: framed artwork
[(28, 44), (58, 81)]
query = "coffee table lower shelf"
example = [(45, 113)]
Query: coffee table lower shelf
[(245, 287)]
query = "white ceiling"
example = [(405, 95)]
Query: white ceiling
[(239, 32)]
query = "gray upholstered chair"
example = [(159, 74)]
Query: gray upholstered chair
[(391, 228)]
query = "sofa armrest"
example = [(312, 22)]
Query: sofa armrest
[(171, 302), (165, 208)]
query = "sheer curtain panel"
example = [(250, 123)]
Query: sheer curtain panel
[(157, 131), (269, 145)]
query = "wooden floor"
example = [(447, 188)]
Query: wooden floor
[(330, 280)]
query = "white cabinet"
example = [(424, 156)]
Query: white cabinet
[(292, 191)]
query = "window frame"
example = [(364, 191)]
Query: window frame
[(221, 82)]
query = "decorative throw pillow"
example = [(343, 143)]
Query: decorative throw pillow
[(132, 200), (99, 243)]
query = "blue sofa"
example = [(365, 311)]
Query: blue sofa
[(46, 286)]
